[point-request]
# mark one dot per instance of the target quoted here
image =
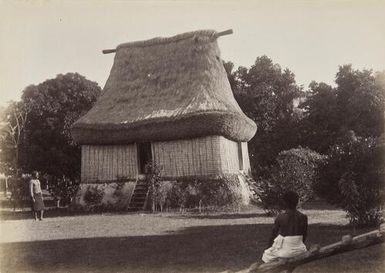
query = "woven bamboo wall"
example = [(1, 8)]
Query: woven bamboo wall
[(228, 154), (104, 163), (190, 157), (246, 158), (193, 157), (200, 156)]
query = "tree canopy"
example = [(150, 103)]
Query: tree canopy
[(53, 107), (356, 104), (353, 178), (12, 122), (267, 94), (340, 123)]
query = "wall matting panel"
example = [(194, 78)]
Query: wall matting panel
[(229, 156), (108, 162), (190, 157), (246, 158), (199, 156)]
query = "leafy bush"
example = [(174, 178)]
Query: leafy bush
[(63, 189), (118, 193), (353, 179), (102, 197), (93, 196), (216, 193), (152, 171), (19, 187), (177, 196), (295, 169), (224, 192)]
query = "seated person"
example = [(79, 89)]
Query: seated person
[(289, 231)]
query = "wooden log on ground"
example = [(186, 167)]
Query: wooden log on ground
[(346, 244)]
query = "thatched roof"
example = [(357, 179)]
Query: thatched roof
[(164, 89)]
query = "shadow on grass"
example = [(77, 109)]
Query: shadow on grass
[(194, 249), (197, 249)]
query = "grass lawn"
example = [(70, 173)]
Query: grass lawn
[(168, 242)]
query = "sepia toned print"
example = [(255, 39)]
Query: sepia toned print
[(192, 136)]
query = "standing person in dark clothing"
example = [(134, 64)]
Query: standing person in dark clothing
[(36, 196), (289, 231)]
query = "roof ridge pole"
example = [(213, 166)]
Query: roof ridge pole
[(223, 33), (107, 51), (216, 35)]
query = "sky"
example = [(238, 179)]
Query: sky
[(40, 39)]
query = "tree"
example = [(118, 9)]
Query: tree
[(356, 104), (353, 178), (153, 180), (321, 122), (267, 95), (361, 101), (14, 119), (344, 122), (54, 105), (295, 169), (5, 158), (62, 189)]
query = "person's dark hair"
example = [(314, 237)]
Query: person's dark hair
[(34, 174), (290, 199)]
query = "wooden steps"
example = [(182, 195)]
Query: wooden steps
[(139, 197)]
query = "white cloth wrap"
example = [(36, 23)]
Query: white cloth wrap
[(284, 247)]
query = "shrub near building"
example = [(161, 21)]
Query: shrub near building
[(216, 194), (209, 193), (295, 169)]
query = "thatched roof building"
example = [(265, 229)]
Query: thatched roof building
[(167, 101), (164, 89)]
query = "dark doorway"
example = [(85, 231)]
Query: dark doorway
[(144, 155)]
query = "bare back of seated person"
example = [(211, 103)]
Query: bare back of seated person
[(290, 223), (289, 231)]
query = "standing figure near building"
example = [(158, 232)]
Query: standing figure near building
[(289, 231), (36, 196)]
